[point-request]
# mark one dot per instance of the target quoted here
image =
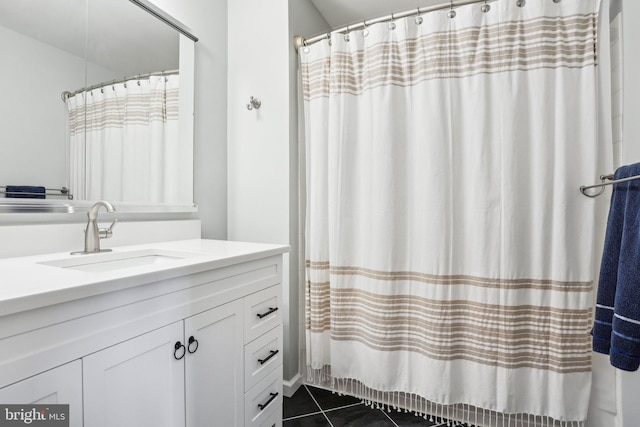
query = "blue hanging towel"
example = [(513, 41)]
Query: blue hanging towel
[(25, 192), (616, 329)]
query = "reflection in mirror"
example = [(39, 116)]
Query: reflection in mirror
[(124, 131), (38, 60)]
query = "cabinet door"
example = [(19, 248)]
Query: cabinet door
[(214, 371), (137, 383), (62, 385)]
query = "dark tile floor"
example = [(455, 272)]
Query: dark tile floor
[(315, 407)]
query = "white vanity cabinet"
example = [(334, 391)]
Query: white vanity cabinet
[(150, 377), (196, 349)]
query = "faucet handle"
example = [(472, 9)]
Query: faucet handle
[(105, 233)]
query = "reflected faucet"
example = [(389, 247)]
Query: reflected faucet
[(93, 234)]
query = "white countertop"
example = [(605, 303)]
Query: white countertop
[(26, 283)]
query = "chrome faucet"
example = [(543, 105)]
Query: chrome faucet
[(93, 234)]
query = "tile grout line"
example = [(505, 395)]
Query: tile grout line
[(385, 414), (327, 418), (342, 407), (319, 411), (324, 412), (316, 402), (302, 416)]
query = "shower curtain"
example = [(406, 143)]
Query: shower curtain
[(123, 139), (448, 249)]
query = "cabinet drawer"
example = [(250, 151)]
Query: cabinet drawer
[(262, 356), (262, 312), (264, 400)]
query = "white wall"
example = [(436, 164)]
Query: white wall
[(36, 239), (262, 148), (258, 141), (631, 125), (207, 19)]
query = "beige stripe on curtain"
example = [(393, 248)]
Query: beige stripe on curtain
[(124, 140), (448, 251)]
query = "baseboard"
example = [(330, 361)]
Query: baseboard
[(291, 386)]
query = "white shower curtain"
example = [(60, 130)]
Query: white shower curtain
[(448, 249), (124, 139)]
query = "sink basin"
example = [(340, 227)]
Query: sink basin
[(114, 261)]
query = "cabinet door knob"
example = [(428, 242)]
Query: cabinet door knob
[(265, 404), (176, 350), (271, 354), (265, 314), (192, 340)]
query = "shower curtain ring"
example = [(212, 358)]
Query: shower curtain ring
[(452, 13), (486, 7), (419, 19), (392, 24), (347, 37), (365, 31)]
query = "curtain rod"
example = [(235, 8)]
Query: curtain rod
[(300, 41), (155, 11), (66, 94)]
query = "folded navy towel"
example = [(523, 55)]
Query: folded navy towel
[(25, 192), (616, 329)]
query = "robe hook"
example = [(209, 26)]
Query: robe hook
[(254, 103)]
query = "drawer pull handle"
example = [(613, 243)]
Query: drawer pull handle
[(176, 349), (271, 310), (271, 354), (265, 404), (192, 340)]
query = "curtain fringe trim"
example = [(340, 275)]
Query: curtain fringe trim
[(460, 414)]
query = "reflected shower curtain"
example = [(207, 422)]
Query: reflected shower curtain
[(123, 139), (448, 249)]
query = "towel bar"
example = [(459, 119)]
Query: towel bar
[(64, 191), (583, 189)]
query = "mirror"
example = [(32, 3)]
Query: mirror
[(98, 140)]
